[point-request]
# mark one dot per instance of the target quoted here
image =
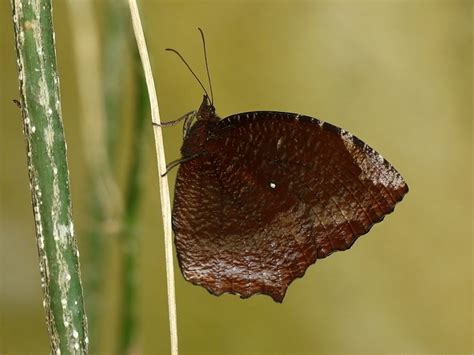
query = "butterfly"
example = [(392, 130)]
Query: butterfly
[(260, 196)]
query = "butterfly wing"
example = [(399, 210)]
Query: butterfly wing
[(275, 192)]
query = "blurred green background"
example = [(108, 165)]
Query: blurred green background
[(398, 74)]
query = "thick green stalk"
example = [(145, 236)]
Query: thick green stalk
[(49, 176), (128, 321)]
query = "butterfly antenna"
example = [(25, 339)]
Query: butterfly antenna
[(207, 66), (186, 63)]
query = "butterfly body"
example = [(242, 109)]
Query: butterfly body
[(263, 195), (198, 134)]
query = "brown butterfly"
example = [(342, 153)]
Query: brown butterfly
[(260, 196)]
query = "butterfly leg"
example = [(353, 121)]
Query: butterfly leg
[(179, 161), (188, 122), (174, 122)]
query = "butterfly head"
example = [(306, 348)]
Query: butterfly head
[(207, 111)]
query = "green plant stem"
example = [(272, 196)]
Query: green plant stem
[(128, 321), (117, 30), (49, 176), (100, 100)]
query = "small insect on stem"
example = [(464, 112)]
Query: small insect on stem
[(17, 103)]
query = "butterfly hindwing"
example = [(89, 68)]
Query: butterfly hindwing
[(273, 193)]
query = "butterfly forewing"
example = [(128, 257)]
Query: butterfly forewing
[(273, 193)]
